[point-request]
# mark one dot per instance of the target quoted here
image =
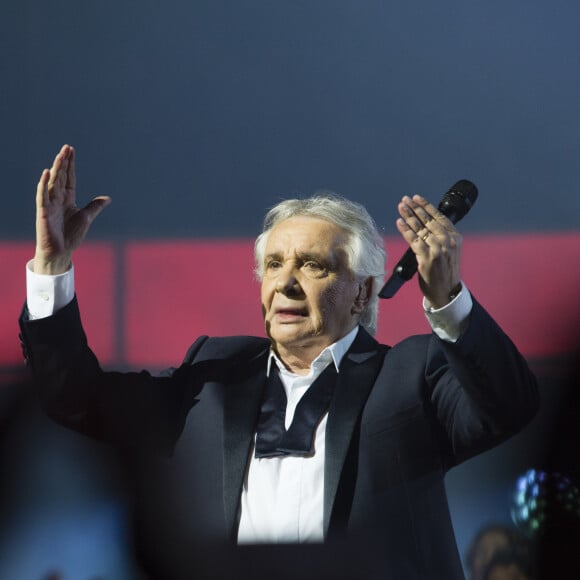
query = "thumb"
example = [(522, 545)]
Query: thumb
[(96, 206)]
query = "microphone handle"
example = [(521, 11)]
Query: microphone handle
[(404, 271), (407, 265)]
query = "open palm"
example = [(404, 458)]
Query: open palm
[(61, 226)]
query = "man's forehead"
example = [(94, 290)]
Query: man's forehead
[(305, 240), (306, 231)]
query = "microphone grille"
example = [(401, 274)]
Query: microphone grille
[(459, 199)]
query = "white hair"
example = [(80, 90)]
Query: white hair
[(365, 248)]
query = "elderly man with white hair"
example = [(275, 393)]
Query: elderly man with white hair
[(316, 434)]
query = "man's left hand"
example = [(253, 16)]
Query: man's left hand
[(437, 247)]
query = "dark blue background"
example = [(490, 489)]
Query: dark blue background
[(196, 116)]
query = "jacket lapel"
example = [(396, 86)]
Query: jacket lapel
[(241, 408), (356, 377), (242, 398)]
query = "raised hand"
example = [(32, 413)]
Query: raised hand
[(437, 247), (60, 225)]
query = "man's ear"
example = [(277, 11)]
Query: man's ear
[(365, 288)]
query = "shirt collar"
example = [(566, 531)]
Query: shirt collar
[(332, 353)]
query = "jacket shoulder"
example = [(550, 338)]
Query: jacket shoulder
[(226, 348)]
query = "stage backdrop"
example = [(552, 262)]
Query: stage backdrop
[(196, 117)]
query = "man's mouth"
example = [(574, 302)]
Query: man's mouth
[(290, 313)]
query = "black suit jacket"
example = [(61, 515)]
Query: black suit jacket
[(399, 419)]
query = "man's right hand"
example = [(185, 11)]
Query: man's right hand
[(60, 225)]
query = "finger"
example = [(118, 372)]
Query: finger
[(412, 237), (42, 198), (430, 212), (71, 179), (55, 170), (96, 206), (421, 212), (419, 230), (63, 171), (410, 214), (429, 224)]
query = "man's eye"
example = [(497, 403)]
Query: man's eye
[(273, 265), (314, 266)]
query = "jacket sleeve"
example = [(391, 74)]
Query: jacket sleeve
[(482, 389), (133, 409)]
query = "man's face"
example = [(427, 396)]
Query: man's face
[(310, 299)]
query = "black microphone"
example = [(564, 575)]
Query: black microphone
[(455, 204)]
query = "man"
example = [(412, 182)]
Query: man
[(318, 434)]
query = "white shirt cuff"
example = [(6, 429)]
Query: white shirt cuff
[(47, 294), (450, 321)]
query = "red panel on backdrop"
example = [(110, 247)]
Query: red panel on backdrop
[(95, 279), (96, 285), (173, 291), (13, 258), (529, 283), (177, 290)]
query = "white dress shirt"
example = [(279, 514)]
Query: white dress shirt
[(282, 497)]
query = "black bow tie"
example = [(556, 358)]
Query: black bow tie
[(272, 438)]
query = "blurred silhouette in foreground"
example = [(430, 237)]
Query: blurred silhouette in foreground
[(546, 507), (491, 540)]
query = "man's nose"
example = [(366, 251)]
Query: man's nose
[(287, 282)]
